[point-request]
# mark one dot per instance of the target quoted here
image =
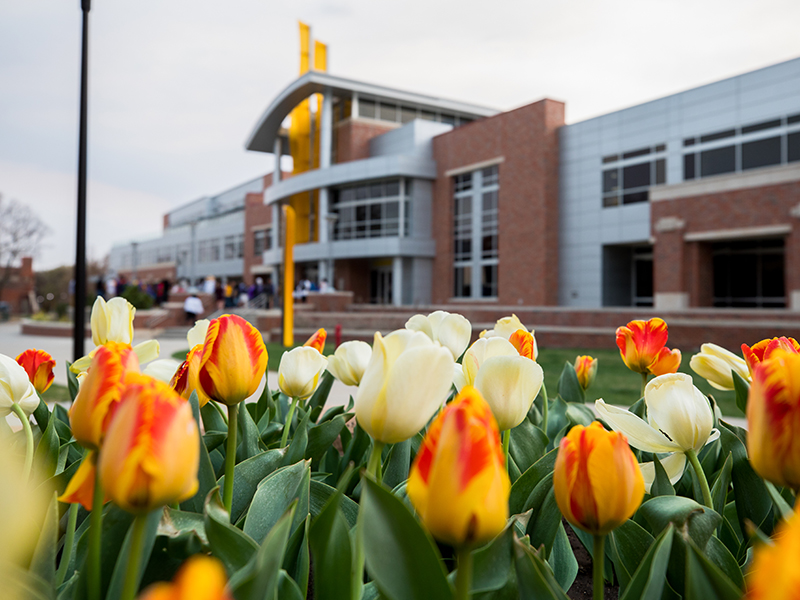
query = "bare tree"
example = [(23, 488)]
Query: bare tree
[(21, 234)]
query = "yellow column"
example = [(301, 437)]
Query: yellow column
[(288, 276)]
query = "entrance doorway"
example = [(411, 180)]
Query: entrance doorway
[(380, 285), (749, 273)]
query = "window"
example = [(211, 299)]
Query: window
[(761, 153), (475, 233), (260, 238), (240, 246), (230, 247), (793, 147), (688, 166), (367, 108), (749, 273), (388, 112), (407, 114), (718, 161), (631, 183), (370, 210)]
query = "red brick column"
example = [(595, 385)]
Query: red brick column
[(792, 261), (669, 273), (699, 269)]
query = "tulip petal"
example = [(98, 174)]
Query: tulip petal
[(510, 385), (147, 351), (639, 433), (162, 369), (673, 464), (666, 361), (80, 488), (679, 410), (197, 334)]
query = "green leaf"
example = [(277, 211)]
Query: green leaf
[(661, 485), (319, 496), (42, 415), (246, 477), (557, 422), (21, 584), (704, 580), (781, 506), (330, 547), (116, 523), (317, 400), (320, 437), (580, 414), (278, 491), (568, 386), (628, 543), (259, 578), (397, 464), (124, 557), (650, 577), (72, 383), (299, 443), (205, 471), (534, 577), (401, 557), (719, 491), (528, 444), (287, 588), (177, 522), (689, 517), (264, 402), (527, 482), (233, 547), (212, 420), (718, 554), (43, 563), (562, 559), (250, 444), (46, 457), (742, 389), (297, 560), (492, 562), (546, 517)]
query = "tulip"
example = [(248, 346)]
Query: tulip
[(764, 349), (509, 384), (679, 419), (201, 577), (642, 345), (458, 483), (525, 343), (317, 340), (234, 360), (80, 488), (151, 451), (674, 464), (299, 371), (163, 369), (482, 350), (586, 370), (598, 485), (349, 362), (197, 334), (773, 417), (38, 364), (717, 365), (407, 379), (185, 380), (774, 574), (507, 327), (17, 393), (451, 330)]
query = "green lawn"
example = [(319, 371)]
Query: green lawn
[(56, 393)]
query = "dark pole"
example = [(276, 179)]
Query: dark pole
[(79, 332)]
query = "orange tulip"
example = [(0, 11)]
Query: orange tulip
[(774, 572), (586, 370), (80, 488), (597, 481), (99, 391), (199, 578), (458, 483), (38, 364), (773, 419), (234, 360), (317, 340), (186, 378), (524, 342), (762, 350), (151, 452), (642, 345)]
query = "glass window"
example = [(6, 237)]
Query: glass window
[(610, 180), (489, 281), (717, 136), (230, 247), (427, 115), (388, 112), (611, 158), (793, 119), (635, 153), (636, 176), (376, 190), (449, 119), (661, 171), (718, 161), (393, 187), (634, 197), (489, 175), (462, 282), (407, 114), (761, 126), (793, 147), (366, 108), (259, 242), (688, 142), (609, 201), (688, 166), (761, 153)]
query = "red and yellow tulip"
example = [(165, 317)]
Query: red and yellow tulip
[(234, 360), (586, 370), (38, 364), (597, 481), (458, 483), (100, 390), (151, 451), (773, 573), (524, 342), (762, 350), (317, 340), (642, 345), (199, 578), (186, 378), (80, 488), (773, 419)]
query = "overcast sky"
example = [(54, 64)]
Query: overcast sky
[(177, 85)]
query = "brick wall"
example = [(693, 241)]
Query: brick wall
[(19, 285), (527, 139), (353, 136), (256, 216)]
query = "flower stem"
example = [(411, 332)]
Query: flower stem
[(545, 408), (506, 442), (463, 574), (69, 540), (230, 456), (95, 533), (598, 561), (218, 408), (26, 427), (134, 558), (288, 423), (644, 384), (374, 464), (701, 476)]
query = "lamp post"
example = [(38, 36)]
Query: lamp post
[(79, 332)]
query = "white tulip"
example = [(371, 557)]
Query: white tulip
[(349, 362), (162, 369), (458, 377), (300, 370), (509, 384), (112, 321), (482, 350), (197, 334), (406, 381), (673, 464), (15, 387), (451, 330), (716, 365)]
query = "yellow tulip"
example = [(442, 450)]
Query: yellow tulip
[(586, 370), (199, 578), (151, 451), (509, 384), (112, 321), (482, 350), (773, 419), (597, 481), (458, 483), (717, 365), (350, 361), (774, 574), (234, 360)]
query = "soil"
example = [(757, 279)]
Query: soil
[(582, 587)]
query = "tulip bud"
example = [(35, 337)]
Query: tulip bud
[(317, 340), (15, 387), (451, 330), (773, 415), (234, 360), (407, 379), (482, 350), (525, 343), (350, 361), (504, 328), (300, 370), (509, 384), (586, 370), (597, 482), (38, 364), (151, 451), (763, 350), (201, 577), (642, 345), (100, 390), (458, 483), (186, 380), (716, 365), (112, 321), (773, 573)]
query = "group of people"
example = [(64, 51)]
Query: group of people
[(305, 285), (230, 294), (115, 286)]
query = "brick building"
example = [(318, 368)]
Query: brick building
[(19, 286)]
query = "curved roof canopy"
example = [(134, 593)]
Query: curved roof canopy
[(262, 138)]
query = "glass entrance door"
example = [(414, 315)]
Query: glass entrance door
[(380, 285)]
